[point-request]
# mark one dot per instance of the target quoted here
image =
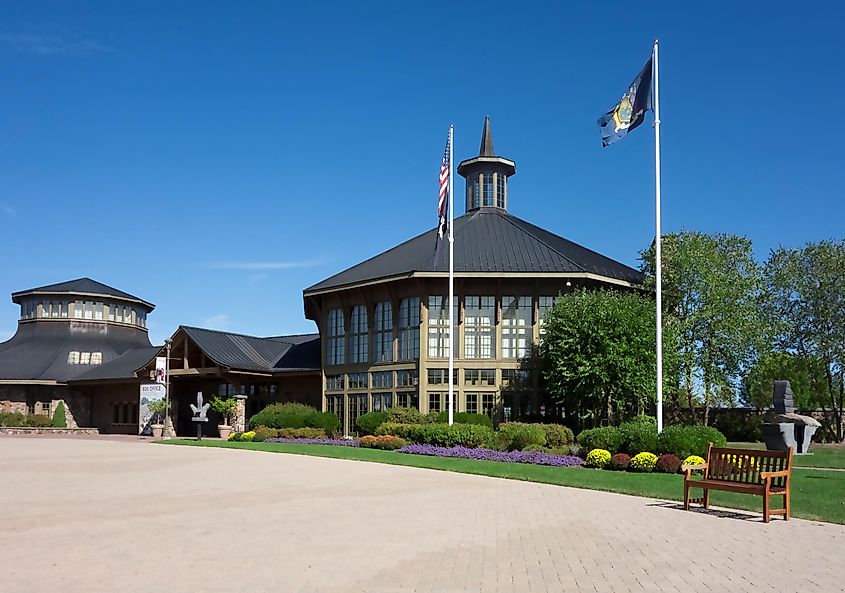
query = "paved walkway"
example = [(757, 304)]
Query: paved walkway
[(90, 516)]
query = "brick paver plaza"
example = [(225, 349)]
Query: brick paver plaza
[(97, 515)]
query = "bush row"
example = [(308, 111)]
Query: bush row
[(262, 433), (292, 415), (641, 462), (18, 420), (641, 436), (388, 442), (443, 435), (368, 423)]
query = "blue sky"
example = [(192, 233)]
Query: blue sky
[(217, 159)]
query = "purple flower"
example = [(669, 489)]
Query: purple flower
[(535, 457), (341, 442)]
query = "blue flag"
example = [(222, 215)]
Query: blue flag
[(629, 112)]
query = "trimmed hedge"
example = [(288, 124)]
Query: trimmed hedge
[(366, 424), (684, 441), (465, 418), (18, 420), (407, 416), (443, 435), (516, 436), (604, 437), (387, 442), (263, 433), (637, 436), (292, 415), (557, 435)]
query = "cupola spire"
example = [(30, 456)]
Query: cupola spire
[(487, 175), (486, 139)]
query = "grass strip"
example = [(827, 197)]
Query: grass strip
[(817, 495)]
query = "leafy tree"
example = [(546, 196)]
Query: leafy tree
[(598, 354), (710, 302), (801, 372), (804, 296)]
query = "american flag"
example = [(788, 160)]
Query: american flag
[(443, 201)]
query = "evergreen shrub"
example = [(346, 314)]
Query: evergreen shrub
[(366, 424), (516, 436), (59, 416), (466, 418), (604, 437), (638, 435), (684, 441)]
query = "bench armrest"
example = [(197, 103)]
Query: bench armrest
[(781, 474), (693, 466)]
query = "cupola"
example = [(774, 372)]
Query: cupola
[(486, 175)]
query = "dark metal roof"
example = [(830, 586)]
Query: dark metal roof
[(81, 286), (122, 367), (487, 240), (238, 351), (39, 350)]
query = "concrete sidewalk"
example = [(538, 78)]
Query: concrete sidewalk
[(95, 515)]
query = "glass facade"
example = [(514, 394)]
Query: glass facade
[(480, 327), (545, 303), (336, 332), (409, 329), (383, 328), (358, 337), (516, 323), (438, 326)]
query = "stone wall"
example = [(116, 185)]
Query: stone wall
[(18, 398), (52, 431)]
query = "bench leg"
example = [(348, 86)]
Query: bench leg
[(706, 498), (766, 505), (686, 496), (786, 504)]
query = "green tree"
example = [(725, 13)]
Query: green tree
[(801, 372), (711, 303), (804, 296), (598, 354)]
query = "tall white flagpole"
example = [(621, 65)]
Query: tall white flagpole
[(451, 279), (658, 268)]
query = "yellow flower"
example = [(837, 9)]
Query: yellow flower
[(597, 458)]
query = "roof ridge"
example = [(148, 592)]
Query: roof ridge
[(220, 331), (508, 217)]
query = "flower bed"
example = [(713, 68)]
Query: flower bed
[(534, 457), (341, 442)]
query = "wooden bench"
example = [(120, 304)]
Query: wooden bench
[(747, 471)]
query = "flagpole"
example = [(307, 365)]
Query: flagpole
[(658, 267), (451, 281)]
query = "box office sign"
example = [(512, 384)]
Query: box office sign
[(150, 392)]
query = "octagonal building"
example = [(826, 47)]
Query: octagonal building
[(384, 323), (64, 331)]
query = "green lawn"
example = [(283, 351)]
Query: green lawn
[(820, 455), (815, 494)]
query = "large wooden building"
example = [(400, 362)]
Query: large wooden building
[(384, 323)]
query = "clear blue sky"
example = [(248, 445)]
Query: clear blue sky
[(217, 158)]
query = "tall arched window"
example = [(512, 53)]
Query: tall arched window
[(336, 332), (358, 334), (384, 331)]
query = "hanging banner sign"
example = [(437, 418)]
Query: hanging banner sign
[(150, 392), (161, 366)]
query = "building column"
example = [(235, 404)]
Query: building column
[(239, 419)]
